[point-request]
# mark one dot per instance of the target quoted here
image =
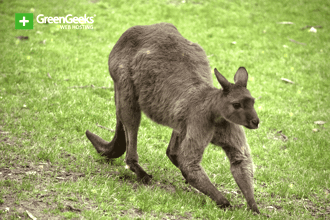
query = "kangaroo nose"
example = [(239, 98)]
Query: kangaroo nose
[(255, 122)]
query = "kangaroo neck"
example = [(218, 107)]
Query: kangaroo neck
[(215, 103), (207, 102)]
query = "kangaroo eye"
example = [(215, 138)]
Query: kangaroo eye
[(236, 105)]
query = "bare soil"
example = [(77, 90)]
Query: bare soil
[(18, 168)]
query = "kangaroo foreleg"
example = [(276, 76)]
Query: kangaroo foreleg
[(232, 139), (242, 171), (189, 160), (173, 147), (196, 176)]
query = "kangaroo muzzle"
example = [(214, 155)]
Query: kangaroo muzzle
[(254, 123)]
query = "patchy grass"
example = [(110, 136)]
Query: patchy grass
[(55, 85)]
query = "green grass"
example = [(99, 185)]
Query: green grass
[(46, 117)]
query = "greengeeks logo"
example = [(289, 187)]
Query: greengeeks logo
[(23, 20)]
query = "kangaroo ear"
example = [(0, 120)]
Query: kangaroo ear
[(241, 77), (222, 80)]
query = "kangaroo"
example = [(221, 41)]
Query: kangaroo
[(157, 71)]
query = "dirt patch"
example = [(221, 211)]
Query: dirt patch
[(24, 185), (18, 199)]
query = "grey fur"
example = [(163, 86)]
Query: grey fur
[(157, 71)]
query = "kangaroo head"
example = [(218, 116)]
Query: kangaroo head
[(237, 104)]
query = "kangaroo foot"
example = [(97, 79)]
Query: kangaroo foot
[(142, 176), (224, 204), (145, 179)]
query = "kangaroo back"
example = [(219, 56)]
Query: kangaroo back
[(167, 70)]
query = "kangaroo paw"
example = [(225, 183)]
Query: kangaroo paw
[(254, 208)]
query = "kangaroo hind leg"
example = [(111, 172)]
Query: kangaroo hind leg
[(129, 112)]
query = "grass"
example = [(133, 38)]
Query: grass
[(43, 119)]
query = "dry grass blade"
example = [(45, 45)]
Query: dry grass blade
[(30, 215), (287, 80), (296, 42), (105, 127), (319, 122), (285, 22)]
